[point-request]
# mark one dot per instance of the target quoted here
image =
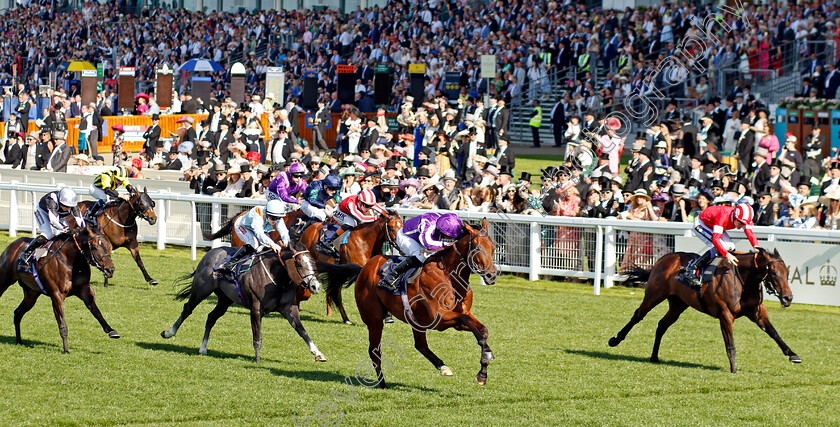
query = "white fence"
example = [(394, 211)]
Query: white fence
[(596, 249)]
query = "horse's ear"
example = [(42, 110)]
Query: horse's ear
[(776, 253), (484, 225), (145, 190)]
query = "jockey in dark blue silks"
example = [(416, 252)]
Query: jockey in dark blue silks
[(422, 237), (316, 196)]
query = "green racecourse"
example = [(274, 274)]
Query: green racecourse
[(552, 367)]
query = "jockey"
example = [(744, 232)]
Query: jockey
[(105, 185), (286, 184), (253, 229), (51, 216), (316, 196), (353, 210), (711, 227), (420, 238)]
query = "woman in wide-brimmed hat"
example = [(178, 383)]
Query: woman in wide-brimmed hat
[(409, 187), (640, 246), (831, 213)]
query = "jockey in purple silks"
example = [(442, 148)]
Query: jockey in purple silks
[(286, 184), (420, 238)]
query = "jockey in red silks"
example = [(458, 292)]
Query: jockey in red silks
[(711, 227), (352, 211)]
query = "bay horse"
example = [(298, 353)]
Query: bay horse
[(117, 220), (732, 293), (270, 285), (439, 298), (63, 271), (365, 241)]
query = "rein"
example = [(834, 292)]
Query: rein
[(114, 218), (391, 242), (762, 283)]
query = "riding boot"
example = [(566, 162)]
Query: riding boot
[(695, 267), (226, 266), (389, 281), (91, 213), (27, 252)]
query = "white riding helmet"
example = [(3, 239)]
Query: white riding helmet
[(275, 208), (68, 198)]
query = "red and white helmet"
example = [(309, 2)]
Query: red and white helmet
[(366, 197), (744, 213)]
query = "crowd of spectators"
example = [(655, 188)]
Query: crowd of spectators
[(531, 40)]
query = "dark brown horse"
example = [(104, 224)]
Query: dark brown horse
[(63, 271), (289, 219), (118, 221), (268, 286), (365, 242), (732, 293), (439, 298)]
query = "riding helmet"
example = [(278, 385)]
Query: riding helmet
[(332, 181), (68, 198), (275, 209), (450, 225)]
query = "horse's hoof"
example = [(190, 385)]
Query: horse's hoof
[(795, 359), (202, 351), (481, 380), (153, 282), (654, 360), (347, 322), (446, 371), (320, 358), (113, 334), (614, 342), (164, 334)]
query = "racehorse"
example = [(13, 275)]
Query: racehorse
[(440, 298), (732, 293), (268, 286), (63, 271), (365, 241), (118, 221), (289, 219)]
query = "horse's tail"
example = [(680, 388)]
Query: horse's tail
[(187, 290), (636, 276), (224, 231), (338, 276)]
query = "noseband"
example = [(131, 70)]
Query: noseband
[(763, 282)]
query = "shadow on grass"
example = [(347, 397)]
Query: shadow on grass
[(193, 351), (335, 377), (628, 358), (28, 343)]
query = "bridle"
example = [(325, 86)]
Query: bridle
[(89, 253), (136, 208), (392, 241), (472, 251), (299, 264), (767, 273)]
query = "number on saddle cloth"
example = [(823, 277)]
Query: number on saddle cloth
[(404, 280)]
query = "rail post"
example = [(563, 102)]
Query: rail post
[(535, 262), (13, 211)]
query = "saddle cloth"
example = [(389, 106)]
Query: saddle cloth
[(404, 280), (706, 275), (334, 229)]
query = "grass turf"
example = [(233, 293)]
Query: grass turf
[(553, 365)]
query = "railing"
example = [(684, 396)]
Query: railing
[(596, 249)]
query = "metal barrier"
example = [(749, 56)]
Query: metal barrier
[(596, 249)]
